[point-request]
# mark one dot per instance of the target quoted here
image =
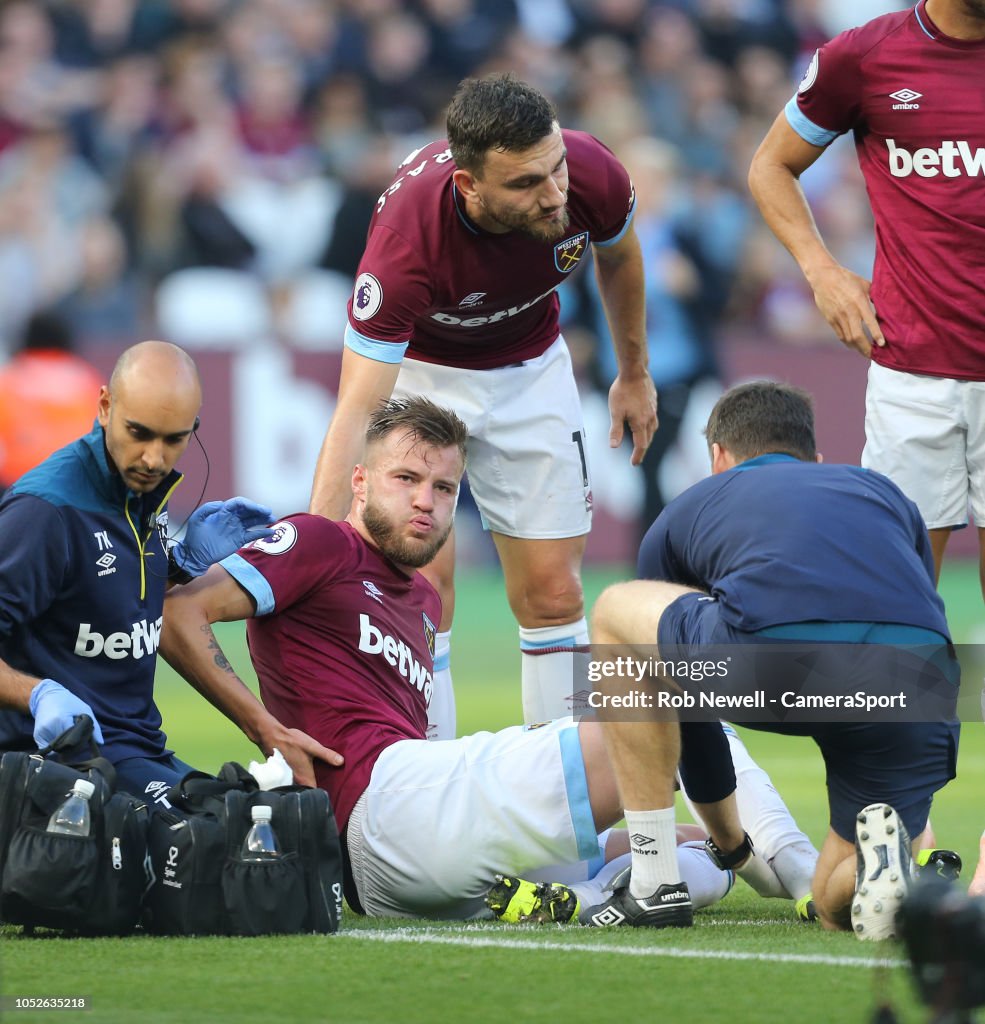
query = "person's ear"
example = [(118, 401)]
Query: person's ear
[(464, 182), (103, 407), (359, 481), (721, 459)]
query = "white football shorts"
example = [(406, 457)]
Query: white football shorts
[(439, 820), (526, 460), (927, 434)]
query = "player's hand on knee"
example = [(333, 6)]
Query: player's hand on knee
[(55, 709), (219, 528)]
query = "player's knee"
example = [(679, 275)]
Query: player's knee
[(835, 914), (550, 601)]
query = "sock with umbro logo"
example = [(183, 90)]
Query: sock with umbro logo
[(653, 845)]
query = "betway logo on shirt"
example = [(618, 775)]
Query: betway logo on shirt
[(372, 640), (493, 318), (142, 639), (952, 159)]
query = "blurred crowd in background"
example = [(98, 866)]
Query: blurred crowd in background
[(205, 170)]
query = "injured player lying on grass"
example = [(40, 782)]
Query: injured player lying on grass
[(341, 631)]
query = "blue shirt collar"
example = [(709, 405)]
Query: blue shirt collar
[(765, 460)]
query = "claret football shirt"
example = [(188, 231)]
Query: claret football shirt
[(915, 100), (342, 642), (434, 284)]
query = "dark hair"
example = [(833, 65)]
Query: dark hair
[(496, 112), (763, 416), (420, 418)]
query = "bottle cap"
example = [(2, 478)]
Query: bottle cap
[(261, 812), (83, 787)]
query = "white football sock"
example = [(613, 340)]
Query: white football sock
[(706, 883), (597, 889), (568, 874), (553, 671), (794, 866), (653, 847), (441, 710)]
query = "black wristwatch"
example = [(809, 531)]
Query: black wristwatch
[(177, 574)]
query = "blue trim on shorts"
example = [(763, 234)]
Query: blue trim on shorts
[(618, 238), (576, 787), (381, 351), (252, 581), (892, 633), (805, 127)]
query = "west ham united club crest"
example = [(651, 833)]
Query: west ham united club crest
[(568, 254), (429, 633)]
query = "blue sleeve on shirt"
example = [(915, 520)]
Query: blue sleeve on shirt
[(252, 581), (622, 230), (805, 127), (381, 351)]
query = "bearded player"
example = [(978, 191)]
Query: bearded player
[(456, 298), (342, 630)]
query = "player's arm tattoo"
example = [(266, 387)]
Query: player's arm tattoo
[(219, 658)]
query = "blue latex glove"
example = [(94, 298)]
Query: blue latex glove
[(217, 529), (54, 709)]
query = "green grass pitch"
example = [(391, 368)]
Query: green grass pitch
[(746, 960)]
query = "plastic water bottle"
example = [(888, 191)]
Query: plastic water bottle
[(261, 842), (72, 817)]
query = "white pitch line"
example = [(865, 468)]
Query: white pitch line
[(468, 937)]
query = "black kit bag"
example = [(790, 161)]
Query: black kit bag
[(92, 885), (203, 886)]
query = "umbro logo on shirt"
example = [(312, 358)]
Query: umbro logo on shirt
[(105, 560), (905, 98), (373, 591), (105, 563)]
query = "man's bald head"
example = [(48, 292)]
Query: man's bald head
[(158, 366), (149, 410)]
